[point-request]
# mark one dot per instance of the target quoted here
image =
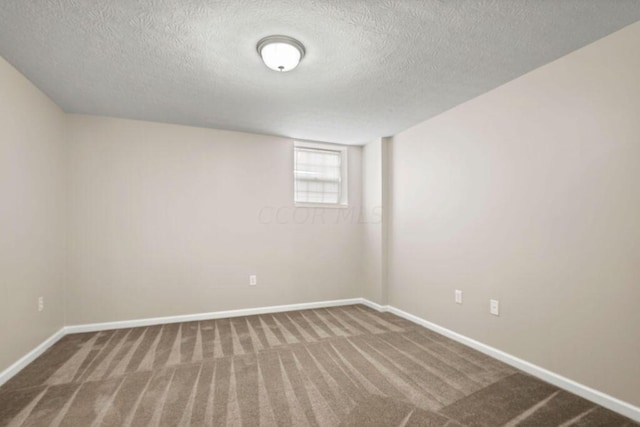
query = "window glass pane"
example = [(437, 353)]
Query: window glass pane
[(317, 175)]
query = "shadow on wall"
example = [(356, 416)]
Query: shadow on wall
[(319, 215)]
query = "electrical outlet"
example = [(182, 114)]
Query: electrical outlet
[(458, 296), (494, 307), (253, 280), (40, 303)]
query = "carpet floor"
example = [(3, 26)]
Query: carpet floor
[(348, 366)]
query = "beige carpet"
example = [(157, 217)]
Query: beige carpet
[(349, 366)]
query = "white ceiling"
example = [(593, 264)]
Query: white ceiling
[(372, 68)]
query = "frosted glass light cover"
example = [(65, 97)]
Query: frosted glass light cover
[(281, 53)]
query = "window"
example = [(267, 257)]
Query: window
[(320, 174)]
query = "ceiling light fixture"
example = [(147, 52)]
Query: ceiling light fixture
[(281, 53)]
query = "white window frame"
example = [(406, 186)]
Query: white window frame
[(344, 175)]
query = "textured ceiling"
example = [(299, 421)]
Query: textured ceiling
[(372, 68)]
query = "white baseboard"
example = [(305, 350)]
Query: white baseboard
[(588, 393), (602, 399), (12, 370), (374, 305), (93, 327), (8, 373)]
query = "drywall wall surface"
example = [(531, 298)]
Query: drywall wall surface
[(173, 220), (32, 216), (530, 195), (374, 239)]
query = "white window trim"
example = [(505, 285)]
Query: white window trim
[(344, 174)]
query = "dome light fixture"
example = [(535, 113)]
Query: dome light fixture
[(281, 53)]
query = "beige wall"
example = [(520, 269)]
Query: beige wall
[(374, 286), (530, 195), (171, 220), (32, 215)]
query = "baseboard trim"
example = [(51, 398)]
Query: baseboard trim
[(586, 392), (93, 327), (602, 399), (374, 305), (12, 370)]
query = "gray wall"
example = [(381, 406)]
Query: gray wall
[(530, 194), (32, 215), (171, 220)]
